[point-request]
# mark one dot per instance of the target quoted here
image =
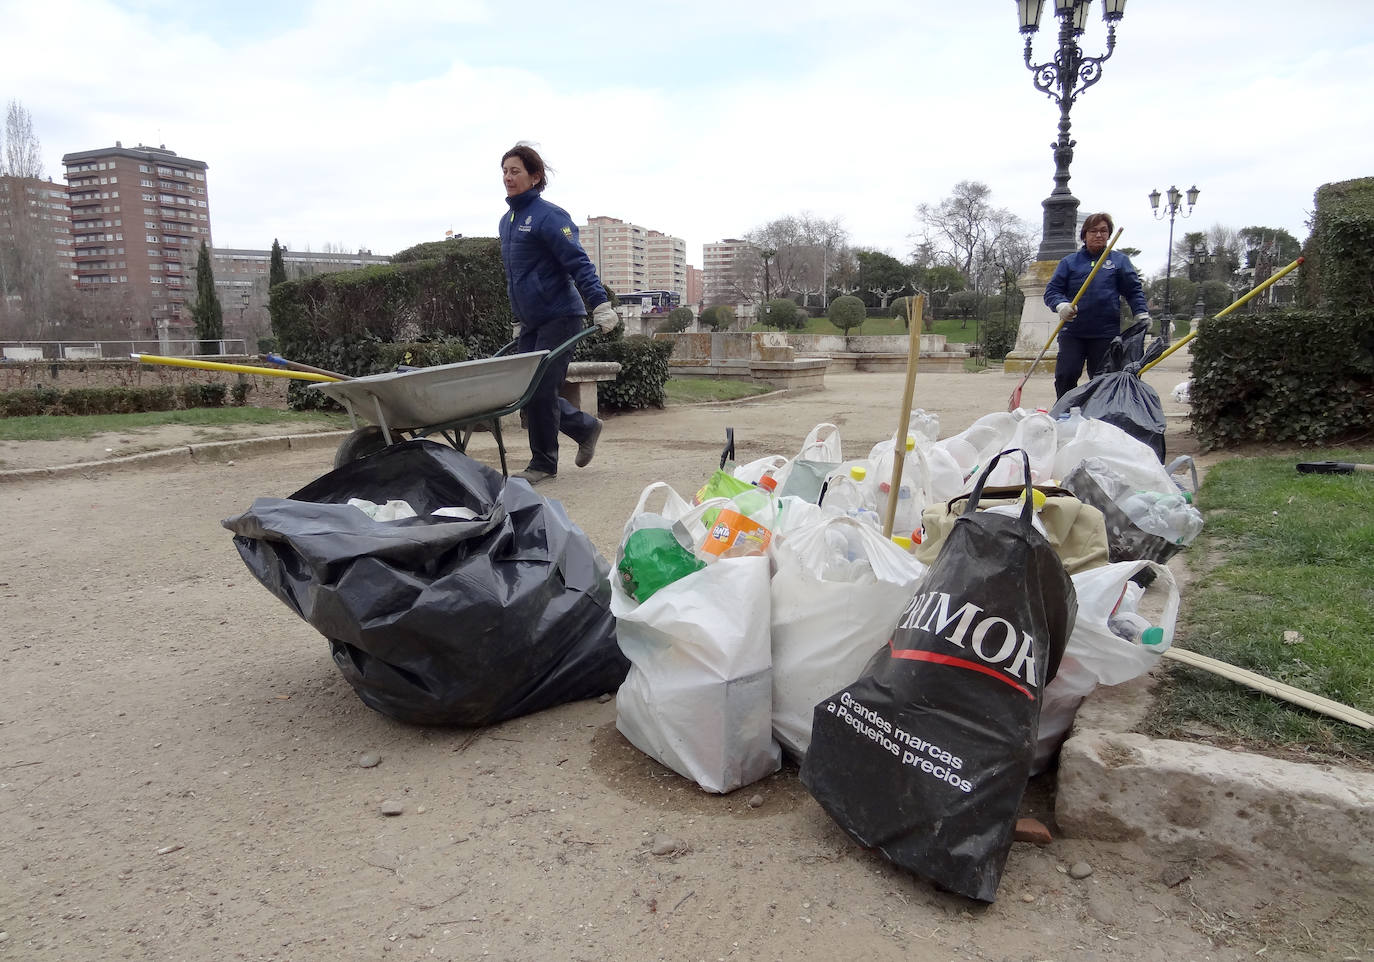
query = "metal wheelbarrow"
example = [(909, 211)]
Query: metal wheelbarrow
[(450, 400)]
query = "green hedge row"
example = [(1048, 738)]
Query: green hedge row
[(1305, 376), (1338, 270), (643, 369), (117, 400)]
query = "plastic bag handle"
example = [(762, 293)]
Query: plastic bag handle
[(976, 495), (673, 502)]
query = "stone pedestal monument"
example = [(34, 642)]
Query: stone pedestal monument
[(1037, 323)]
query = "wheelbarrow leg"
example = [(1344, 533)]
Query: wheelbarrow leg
[(500, 445)]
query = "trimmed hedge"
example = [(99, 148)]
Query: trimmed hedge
[(643, 370), (448, 295), (1339, 264), (94, 400), (1304, 376)]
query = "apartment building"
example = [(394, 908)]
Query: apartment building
[(720, 273), (138, 217), (241, 275), (34, 211), (633, 258), (694, 286)]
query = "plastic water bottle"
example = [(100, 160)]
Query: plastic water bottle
[(1068, 424), (848, 494), (1134, 628)]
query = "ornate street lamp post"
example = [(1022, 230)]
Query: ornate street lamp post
[(1173, 208), (1062, 80), (1200, 260)]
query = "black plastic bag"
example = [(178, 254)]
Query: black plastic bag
[(1118, 396), (433, 620), (926, 756)]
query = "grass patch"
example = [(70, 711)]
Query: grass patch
[(695, 390), (1282, 551), (58, 427)]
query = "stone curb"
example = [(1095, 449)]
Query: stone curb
[(1203, 802), (1196, 801), (209, 451)]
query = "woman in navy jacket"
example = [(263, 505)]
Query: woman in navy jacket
[(1090, 325), (547, 276)]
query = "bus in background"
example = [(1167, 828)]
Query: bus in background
[(651, 302)]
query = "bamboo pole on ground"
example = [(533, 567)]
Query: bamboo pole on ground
[(916, 307), (1278, 689)]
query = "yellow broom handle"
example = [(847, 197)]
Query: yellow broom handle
[(234, 368), (1224, 311)]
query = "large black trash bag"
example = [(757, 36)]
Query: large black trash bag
[(440, 621), (926, 756), (1119, 396)]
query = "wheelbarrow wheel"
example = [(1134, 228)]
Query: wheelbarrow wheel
[(361, 443)]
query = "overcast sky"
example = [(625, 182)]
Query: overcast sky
[(381, 125)]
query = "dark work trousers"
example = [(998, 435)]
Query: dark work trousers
[(1073, 351), (548, 412)]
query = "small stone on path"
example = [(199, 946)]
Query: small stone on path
[(1027, 897), (1080, 870), (392, 808), (604, 697), (369, 760), (755, 801), (664, 845), (1101, 909)]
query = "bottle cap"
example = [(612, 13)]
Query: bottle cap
[(768, 482), (911, 442), (858, 472), (1152, 636), (1037, 498)]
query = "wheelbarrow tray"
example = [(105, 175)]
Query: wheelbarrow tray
[(432, 397)]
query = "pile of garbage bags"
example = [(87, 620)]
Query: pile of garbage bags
[(917, 679)]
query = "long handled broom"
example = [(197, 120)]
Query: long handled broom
[(1015, 401)]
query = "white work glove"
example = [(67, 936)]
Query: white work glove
[(1143, 316), (604, 317), (1067, 311)]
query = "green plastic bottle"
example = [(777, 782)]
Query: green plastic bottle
[(653, 558)]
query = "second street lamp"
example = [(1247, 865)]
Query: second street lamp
[(1200, 261), (1173, 208)]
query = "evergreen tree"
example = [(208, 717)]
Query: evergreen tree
[(277, 272), (206, 311)]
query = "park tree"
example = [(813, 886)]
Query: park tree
[(793, 253), (276, 273), (967, 232), (881, 275), (782, 313), (678, 320), (848, 311), (35, 289), (206, 311)]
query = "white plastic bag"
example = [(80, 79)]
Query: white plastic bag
[(1037, 435), (1134, 460), (698, 696), (756, 469), (1096, 655), (830, 613)]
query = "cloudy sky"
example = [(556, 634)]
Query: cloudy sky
[(380, 125)]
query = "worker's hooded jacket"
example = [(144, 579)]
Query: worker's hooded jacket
[(545, 264), (1099, 311)]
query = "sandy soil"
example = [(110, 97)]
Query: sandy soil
[(179, 769)]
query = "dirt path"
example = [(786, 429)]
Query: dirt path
[(179, 777)]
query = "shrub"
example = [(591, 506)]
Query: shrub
[(847, 311), (267, 345), (239, 395), (679, 319), (203, 395), (643, 369), (718, 318), (998, 336), (1305, 376), (443, 293), (780, 313), (1340, 250)]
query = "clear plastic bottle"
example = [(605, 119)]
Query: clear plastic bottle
[(1133, 627), (848, 494)]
